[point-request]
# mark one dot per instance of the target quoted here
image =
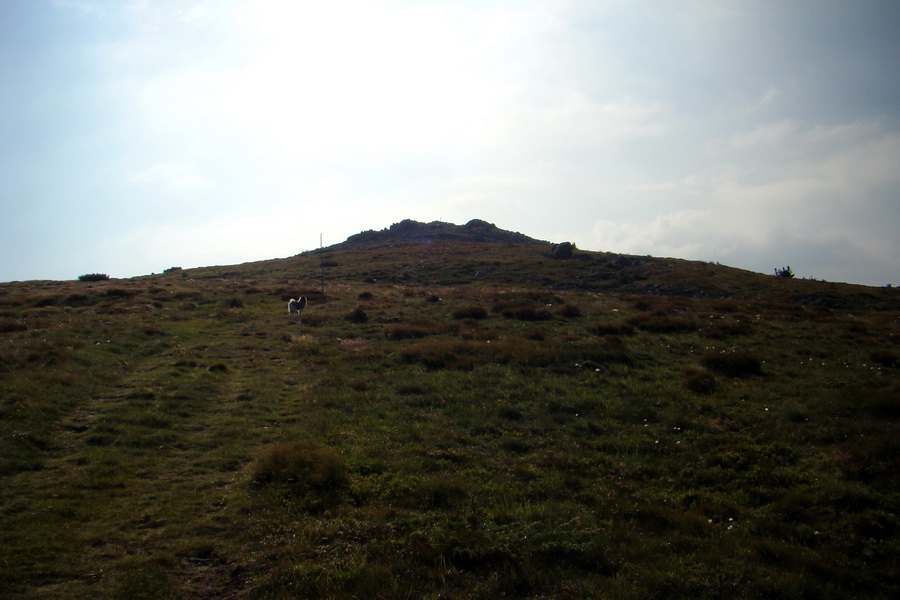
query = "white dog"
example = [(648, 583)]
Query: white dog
[(297, 306)]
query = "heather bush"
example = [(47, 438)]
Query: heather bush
[(662, 324), (569, 311), (416, 329), (611, 329), (93, 277), (470, 312), (358, 315), (784, 272), (885, 358), (10, 325), (732, 364), (525, 313), (870, 457), (721, 330), (700, 382), (438, 354)]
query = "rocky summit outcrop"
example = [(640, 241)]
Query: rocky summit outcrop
[(409, 231)]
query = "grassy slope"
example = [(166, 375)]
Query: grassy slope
[(590, 447)]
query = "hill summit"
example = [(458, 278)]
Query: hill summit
[(409, 231)]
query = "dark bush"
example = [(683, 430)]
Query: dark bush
[(439, 354), (611, 329), (700, 382), (77, 300), (366, 296), (525, 313), (721, 330), (48, 301), (870, 457), (358, 315), (732, 364), (236, 303), (662, 324), (443, 493), (415, 329), (470, 312), (10, 325), (884, 358), (93, 277), (785, 272), (569, 311)]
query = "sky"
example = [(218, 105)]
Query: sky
[(139, 135)]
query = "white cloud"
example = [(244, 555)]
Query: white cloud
[(764, 136), (172, 178), (82, 7), (578, 124)]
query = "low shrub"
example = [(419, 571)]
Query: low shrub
[(700, 382), (93, 277), (885, 358), (722, 330), (525, 313), (235, 303), (786, 272), (413, 330), (569, 311), (662, 324), (120, 293), (732, 364), (314, 319), (611, 329), (883, 404), (870, 457), (438, 354), (77, 300), (11, 325), (470, 312), (358, 315)]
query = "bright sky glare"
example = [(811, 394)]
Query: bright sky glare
[(144, 134)]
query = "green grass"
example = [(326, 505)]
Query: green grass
[(182, 436)]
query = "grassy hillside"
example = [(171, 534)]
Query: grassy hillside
[(450, 419)]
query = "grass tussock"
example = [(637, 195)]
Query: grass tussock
[(302, 465)]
